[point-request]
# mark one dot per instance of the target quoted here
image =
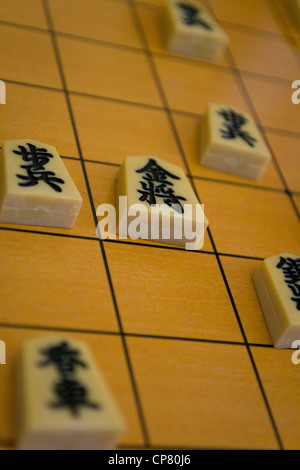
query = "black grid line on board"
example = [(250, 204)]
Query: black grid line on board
[(284, 132), (101, 245), (285, 33), (115, 164), (127, 242), (177, 139), (24, 326)]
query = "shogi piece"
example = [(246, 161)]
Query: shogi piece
[(231, 142), (63, 402), (159, 202), (35, 186), (191, 30), (277, 283)]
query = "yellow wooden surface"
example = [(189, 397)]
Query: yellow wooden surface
[(180, 335)]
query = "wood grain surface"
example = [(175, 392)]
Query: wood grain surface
[(180, 336)]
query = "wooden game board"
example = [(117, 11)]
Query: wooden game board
[(179, 335)]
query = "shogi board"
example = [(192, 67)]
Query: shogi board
[(179, 335)]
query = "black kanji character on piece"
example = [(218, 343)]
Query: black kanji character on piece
[(69, 391), (234, 123), (63, 357), (71, 394), (192, 16), (156, 184), (291, 270), (37, 158)]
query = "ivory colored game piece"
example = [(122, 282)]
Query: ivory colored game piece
[(155, 201), (63, 402), (191, 30), (231, 142), (277, 283), (35, 186)]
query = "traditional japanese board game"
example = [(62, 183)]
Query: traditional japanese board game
[(36, 188), (179, 335)]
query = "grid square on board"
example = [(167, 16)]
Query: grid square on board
[(250, 221), (108, 70), (20, 54), (121, 129), (190, 85), (51, 281), (109, 355), (239, 272), (188, 128), (152, 22), (84, 225), (197, 306), (103, 20), (29, 13), (213, 401), (285, 148), (251, 52), (40, 114), (102, 180), (273, 104), (280, 377), (258, 14)]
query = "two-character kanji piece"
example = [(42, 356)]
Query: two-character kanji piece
[(36, 188), (63, 399)]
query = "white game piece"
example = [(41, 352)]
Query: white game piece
[(277, 283), (231, 142), (191, 30)]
